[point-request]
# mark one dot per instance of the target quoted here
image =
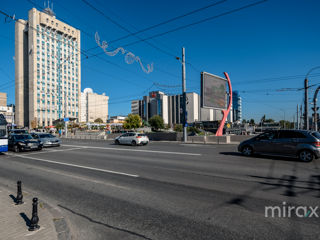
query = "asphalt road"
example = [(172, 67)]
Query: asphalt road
[(169, 190)]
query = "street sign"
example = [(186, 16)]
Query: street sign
[(66, 119)]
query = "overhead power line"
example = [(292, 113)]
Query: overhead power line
[(125, 29), (166, 21), (190, 24)]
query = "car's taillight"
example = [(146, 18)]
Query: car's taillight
[(317, 144), (138, 137)]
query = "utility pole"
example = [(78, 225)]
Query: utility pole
[(301, 117), (315, 109), (297, 127), (184, 104), (65, 115), (306, 120)]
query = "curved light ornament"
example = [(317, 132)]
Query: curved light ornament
[(129, 58)]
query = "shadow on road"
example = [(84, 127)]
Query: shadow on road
[(104, 224), (257, 156), (26, 219), (13, 198)]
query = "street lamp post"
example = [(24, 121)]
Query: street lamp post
[(184, 98), (284, 118), (306, 120)]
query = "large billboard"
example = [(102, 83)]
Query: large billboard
[(213, 91)]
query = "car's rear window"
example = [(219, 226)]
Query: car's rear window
[(22, 137), (141, 135), (291, 134), (316, 134)]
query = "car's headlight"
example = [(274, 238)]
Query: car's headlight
[(21, 143)]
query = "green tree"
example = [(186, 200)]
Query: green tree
[(269, 120), (251, 121), (132, 121), (244, 121), (156, 122), (145, 123), (98, 120), (193, 129), (286, 124), (59, 125), (178, 128)]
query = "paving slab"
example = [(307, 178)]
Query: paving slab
[(14, 218)]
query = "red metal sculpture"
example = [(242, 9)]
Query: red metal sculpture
[(225, 112)]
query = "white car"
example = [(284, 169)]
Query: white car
[(133, 139)]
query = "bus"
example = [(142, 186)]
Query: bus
[(3, 134)]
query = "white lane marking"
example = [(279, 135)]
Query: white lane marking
[(79, 177), (49, 151), (78, 166), (135, 150)]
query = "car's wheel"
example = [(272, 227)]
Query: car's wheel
[(117, 142), (39, 148), (145, 144), (247, 151), (16, 148), (133, 143), (306, 156)]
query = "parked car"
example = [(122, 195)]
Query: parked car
[(18, 131), (47, 139), (294, 143), (133, 139), (23, 142)]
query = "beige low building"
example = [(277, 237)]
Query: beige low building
[(7, 111), (93, 106), (47, 69), (117, 119), (3, 99)]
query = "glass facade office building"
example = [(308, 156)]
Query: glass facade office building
[(236, 107)]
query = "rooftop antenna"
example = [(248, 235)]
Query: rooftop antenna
[(49, 10)]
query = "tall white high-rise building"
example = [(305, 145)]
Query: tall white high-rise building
[(47, 69)]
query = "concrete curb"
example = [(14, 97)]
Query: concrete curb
[(60, 223), (175, 142)]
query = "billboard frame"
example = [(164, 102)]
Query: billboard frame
[(202, 90)]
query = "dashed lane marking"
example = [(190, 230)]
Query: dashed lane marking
[(135, 150), (78, 166)]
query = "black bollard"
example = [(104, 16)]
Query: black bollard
[(34, 219), (19, 194)]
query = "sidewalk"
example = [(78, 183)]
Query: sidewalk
[(13, 221)]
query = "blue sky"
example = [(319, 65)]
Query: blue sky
[(264, 48)]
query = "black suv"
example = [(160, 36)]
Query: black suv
[(23, 142)]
